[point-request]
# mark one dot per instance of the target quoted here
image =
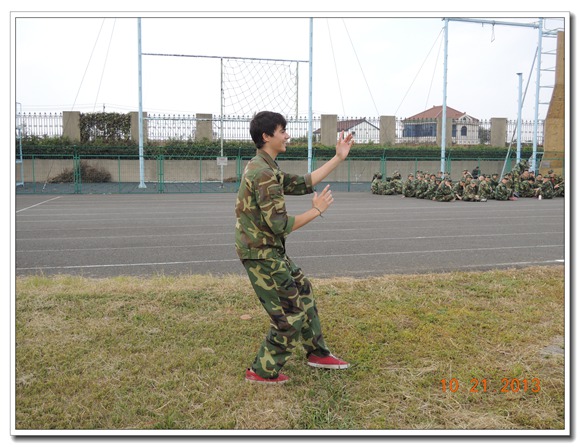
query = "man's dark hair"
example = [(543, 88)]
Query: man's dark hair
[(265, 122)]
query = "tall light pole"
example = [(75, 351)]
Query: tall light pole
[(141, 161), (444, 111), (310, 99), (519, 138)]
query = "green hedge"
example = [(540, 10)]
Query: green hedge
[(60, 146)]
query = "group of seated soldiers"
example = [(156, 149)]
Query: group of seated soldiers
[(472, 187)]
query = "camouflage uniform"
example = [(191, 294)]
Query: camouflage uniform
[(389, 189), (557, 180), (409, 187), (547, 190), (262, 225), (422, 187), (503, 192), (484, 190), (444, 193), (433, 186), (396, 185), (519, 168), (559, 191), (384, 188), (375, 183), (459, 188), (470, 192), (525, 189)]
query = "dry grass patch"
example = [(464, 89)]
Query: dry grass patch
[(170, 353)]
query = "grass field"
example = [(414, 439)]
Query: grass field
[(170, 353)]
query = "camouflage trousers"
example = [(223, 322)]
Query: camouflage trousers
[(286, 295)]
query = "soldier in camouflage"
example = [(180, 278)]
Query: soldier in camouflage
[(559, 188), (396, 184), (262, 225), (433, 186), (470, 192), (445, 192), (546, 190), (422, 187), (503, 191), (558, 183), (525, 187), (485, 190), (377, 178), (494, 181), (459, 188), (409, 186)]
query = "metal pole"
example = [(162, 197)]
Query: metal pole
[(297, 88), (19, 128), (519, 138), (444, 111), (221, 121), (310, 100), (537, 105), (141, 162)]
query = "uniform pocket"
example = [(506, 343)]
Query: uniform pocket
[(277, 198)]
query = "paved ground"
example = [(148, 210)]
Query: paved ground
[(361, 235)]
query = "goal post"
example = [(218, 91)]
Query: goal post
[(251, 85)]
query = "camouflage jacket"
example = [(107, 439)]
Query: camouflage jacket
[(469, 191), (409, 188), (262, 223), (444, 190), (485, 190), (421, 189), (502, 192), (547, 190), (432, 190), (397, 186)]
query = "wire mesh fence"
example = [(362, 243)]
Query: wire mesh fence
[(66, 174)]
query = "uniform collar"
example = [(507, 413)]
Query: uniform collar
[(269, 160)]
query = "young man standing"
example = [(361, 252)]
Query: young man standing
[(262, 225)]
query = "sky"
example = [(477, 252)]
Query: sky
[(364, 65)]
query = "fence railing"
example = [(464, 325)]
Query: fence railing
[(235, 128), (90, 174)]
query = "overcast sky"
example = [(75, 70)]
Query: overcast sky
[(362, 66)]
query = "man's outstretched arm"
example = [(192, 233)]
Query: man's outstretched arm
[(342, 149)]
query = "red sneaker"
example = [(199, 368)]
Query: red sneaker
[(329, 362), (251, 376)]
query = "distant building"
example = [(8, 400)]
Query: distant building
[(362, 130), (464, 129)]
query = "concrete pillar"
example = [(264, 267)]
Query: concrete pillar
[(387, 130), (328, 130), (203, 127), (71, 126), (498, 132), (135, 127)]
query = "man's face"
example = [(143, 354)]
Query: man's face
[(277, 141)]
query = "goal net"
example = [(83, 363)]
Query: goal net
[(252, 85)]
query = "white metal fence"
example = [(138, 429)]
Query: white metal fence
[(235, 128)]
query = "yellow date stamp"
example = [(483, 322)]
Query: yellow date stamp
[(506, 385)]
